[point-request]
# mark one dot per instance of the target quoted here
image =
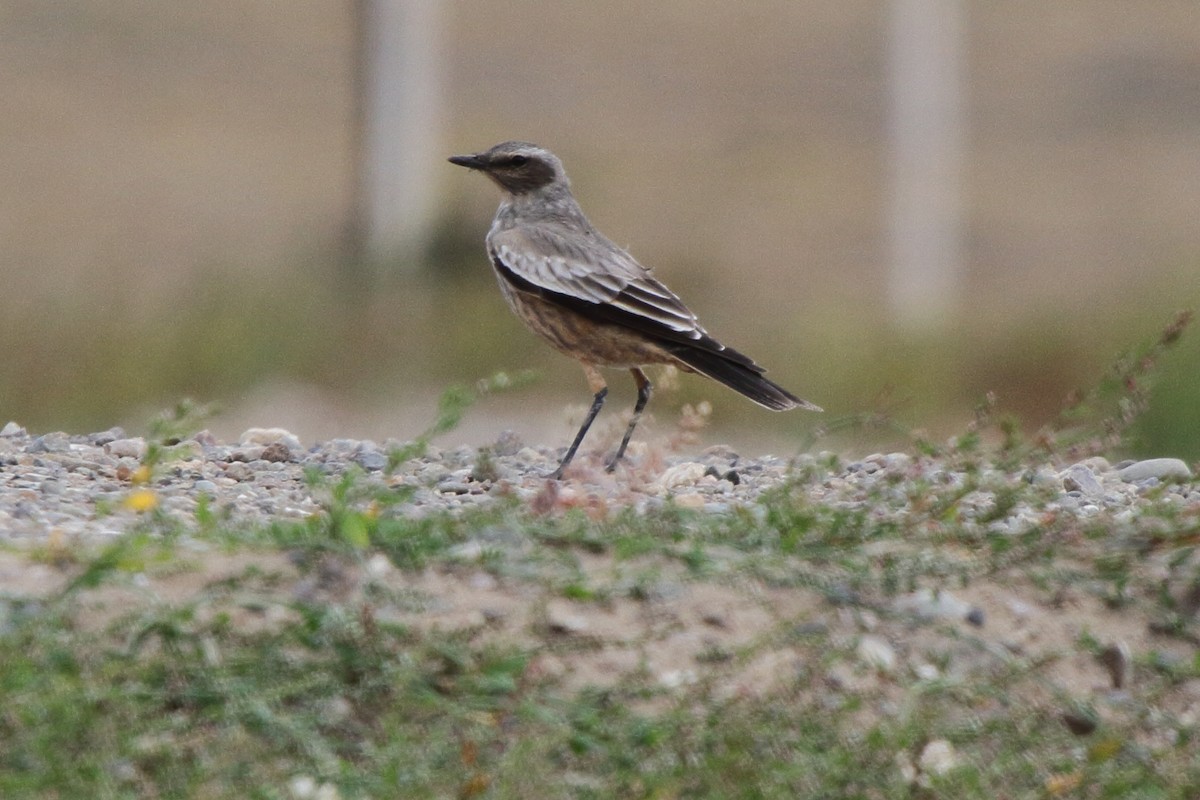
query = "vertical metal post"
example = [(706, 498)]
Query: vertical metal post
[(396, 121), (925, 143)]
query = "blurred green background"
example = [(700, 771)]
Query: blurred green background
[(179, 182)]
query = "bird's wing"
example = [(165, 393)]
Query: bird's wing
[(591, 274)]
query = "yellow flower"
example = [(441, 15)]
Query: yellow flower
[(141, 500)]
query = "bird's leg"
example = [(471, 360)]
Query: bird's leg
[(596, 381), (643, 396)]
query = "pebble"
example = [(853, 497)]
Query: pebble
[(265, 436), (685, 474), (371, 460), (935, 605), (874, 651), (562, 619), (1160, 468), (937, 758), (1118, 660), (1079, 477)]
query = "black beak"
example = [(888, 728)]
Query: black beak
[(470, 162)]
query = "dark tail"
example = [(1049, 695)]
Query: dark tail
[(739, 373)]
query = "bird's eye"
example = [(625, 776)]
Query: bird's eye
[(519, 161)]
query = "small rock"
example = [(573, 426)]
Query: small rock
[(528, 455), (937, 758), (50, 443), (1019, 608), (1117, 659), (876, 652), (379, 566), (205, 486), (1080, 723), (104, 437), (933, 605), (927, 672), (673, 679), (976, 617), (239, 471), (1078, 477), (12, 429), (337, 709), (508, 443), (433, 473), (247, 454), (560, 618), (276, 452), (205, 438), (685, 474), (1161, 468), (265, 436), (371, 460)]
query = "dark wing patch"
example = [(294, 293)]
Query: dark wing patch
[(629, 309)]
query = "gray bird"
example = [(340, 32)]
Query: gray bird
[(589, 298)]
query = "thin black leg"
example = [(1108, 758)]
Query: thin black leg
[(643, 396), (597, 402)]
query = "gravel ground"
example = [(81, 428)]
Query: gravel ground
[(81, 485), (741, 624)]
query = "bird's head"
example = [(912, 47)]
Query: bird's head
[(518, 167)]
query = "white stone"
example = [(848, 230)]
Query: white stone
[(876, 652), (932, 605), (127, 448), (685, 474), (937, 758), (265, 436)]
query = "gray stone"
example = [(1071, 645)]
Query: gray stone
[(12, 429), (371, 460), (1079, 477), (1161, 468), (933, 605), (127, 448), (49, 443), (239, 471)]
